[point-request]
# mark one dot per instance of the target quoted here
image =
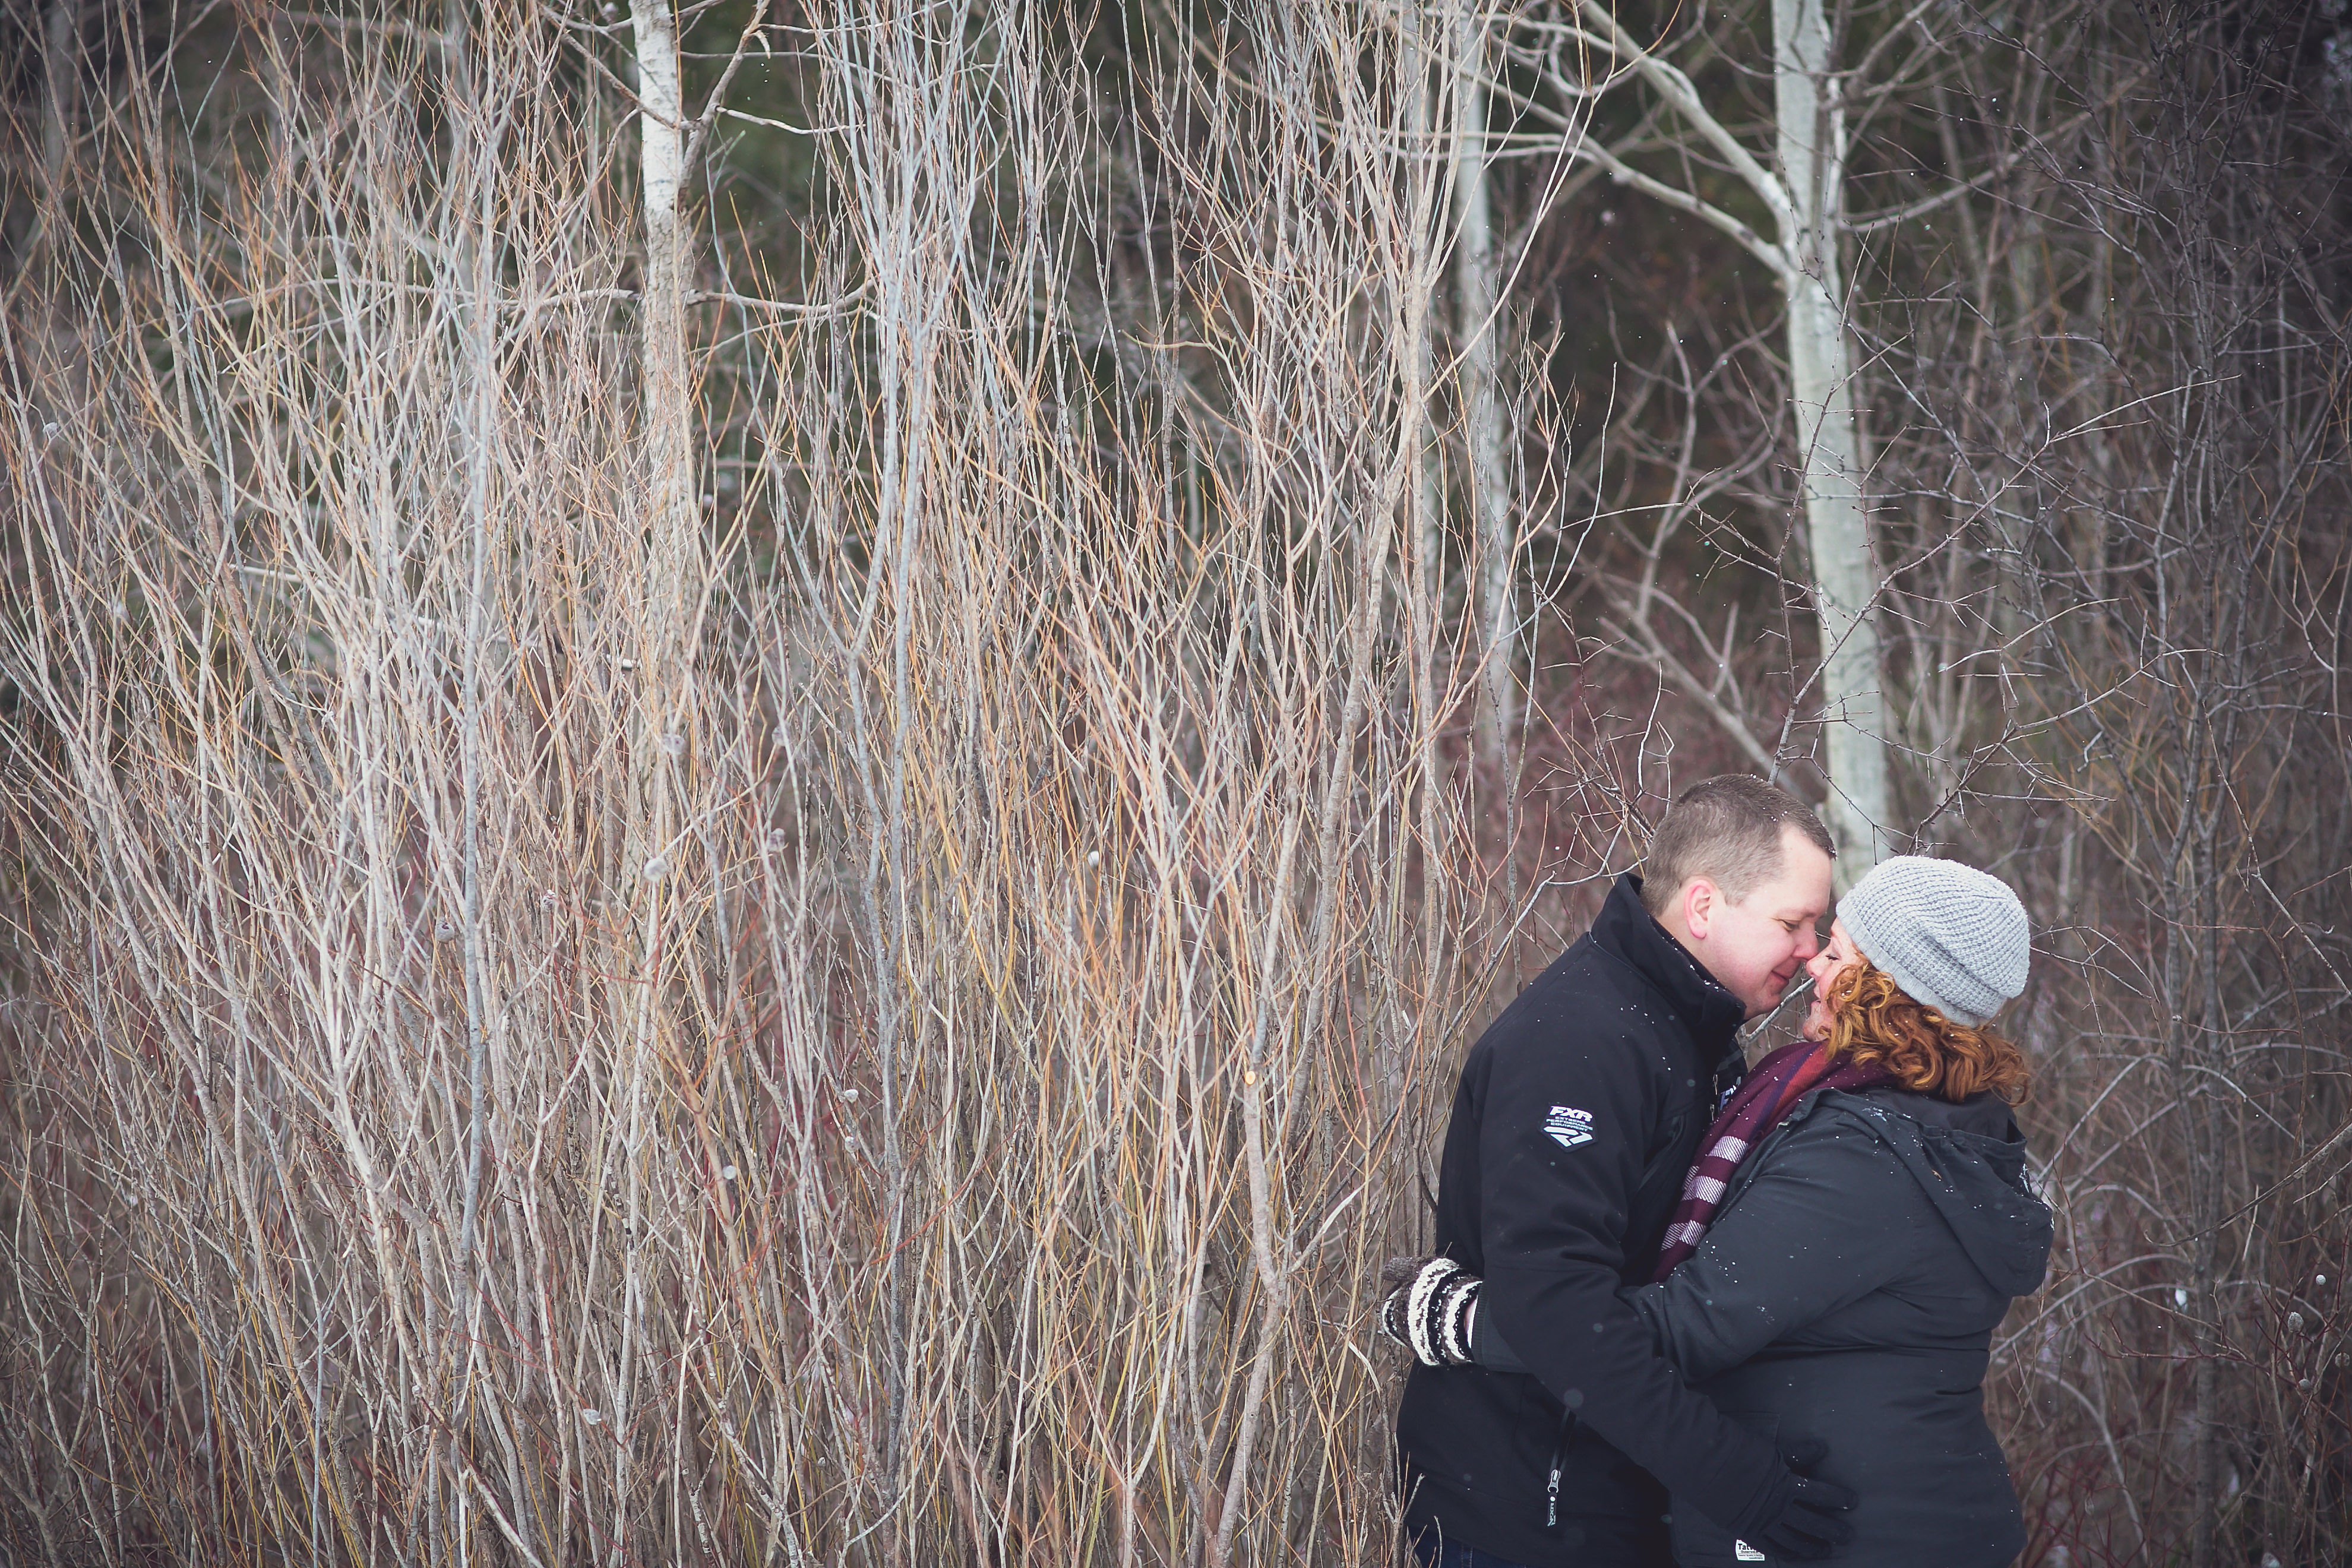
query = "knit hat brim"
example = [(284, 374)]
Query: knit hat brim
[(1954, 938), (1894, 963)]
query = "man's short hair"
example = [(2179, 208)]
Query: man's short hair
[(1727, 830)]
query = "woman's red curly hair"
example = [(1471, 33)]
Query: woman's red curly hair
[(1873, 1022)]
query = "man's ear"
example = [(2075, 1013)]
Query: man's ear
[(1700, 897)]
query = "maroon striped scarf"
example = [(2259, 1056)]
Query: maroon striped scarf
[(1770, 1091)]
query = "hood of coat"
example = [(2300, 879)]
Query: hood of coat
[(1969, 1159)]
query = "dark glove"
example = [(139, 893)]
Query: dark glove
[(1428, 1309), (1807, 1528)]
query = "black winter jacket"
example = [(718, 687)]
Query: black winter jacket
[(1848, 1290), (1577, 1113)]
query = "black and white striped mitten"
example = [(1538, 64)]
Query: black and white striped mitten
[(1429, 1311)]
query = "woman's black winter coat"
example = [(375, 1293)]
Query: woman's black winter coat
[(1848, 1290)]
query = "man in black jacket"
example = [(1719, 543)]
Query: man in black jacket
[(1577, 1113)]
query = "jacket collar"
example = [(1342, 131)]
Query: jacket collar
[(1627, 931)]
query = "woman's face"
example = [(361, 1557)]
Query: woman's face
[(1837, 955)]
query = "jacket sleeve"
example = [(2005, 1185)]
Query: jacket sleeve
[(1563, 1137), (1805, 1237)]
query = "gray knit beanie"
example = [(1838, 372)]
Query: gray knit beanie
[(1952, 937)]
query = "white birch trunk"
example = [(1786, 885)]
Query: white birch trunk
[(665, 635), (670, 538), (1482, 402), (1811, 136)]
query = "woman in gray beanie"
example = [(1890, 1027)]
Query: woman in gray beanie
[(1856, 1223)]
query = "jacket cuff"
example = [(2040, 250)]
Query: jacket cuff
[(1770, 1501), (1488, 1348)]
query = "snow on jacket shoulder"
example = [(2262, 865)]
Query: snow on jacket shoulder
[(1577, 1113), (1848, 1290)]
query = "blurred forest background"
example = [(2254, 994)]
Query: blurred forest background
[(759, 762)]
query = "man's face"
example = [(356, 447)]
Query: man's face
[(1755, 945)]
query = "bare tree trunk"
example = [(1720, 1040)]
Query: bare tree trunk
[(473, 171), (1811, 136), (1426, 586), (2205, 1179), (670, 536), (664, 634), (31, 233), (57, 104), (1482, 402), (1424, 204)]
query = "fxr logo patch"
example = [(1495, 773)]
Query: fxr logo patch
[(1568, 1126)]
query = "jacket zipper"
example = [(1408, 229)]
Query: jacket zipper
[(1558, 1458)]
